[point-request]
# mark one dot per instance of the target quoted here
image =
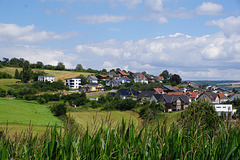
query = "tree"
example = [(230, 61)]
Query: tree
[(79, 67), (39, 64), (84, 79), (26, 72), (165, 74), (5, 61), (118, 69), (50, 67), (36, 74), (200, 113), (17, 74), (175, 78), (60, 66), (59, 109)]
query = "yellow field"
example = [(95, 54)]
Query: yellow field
[(58, 74)]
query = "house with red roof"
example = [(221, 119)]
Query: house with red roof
[(222, 97), (122, 74), (192, 96), (159, 90), (103, 77), (159, 79), (175, 93)]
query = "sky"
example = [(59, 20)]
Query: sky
[(196, 39)]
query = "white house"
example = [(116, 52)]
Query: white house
[(46, 78), (73, 83), (225, 108), (140, 78), (92, 79)]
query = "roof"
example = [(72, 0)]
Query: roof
[(169, 88), (222, 96), (159, 90), (157, 96), (175, 93), (73, 78), (93, 77), (160, 78), (103, 76), (211, 95), (123, 73), (192, 94), (173, 98), (93, 84), (176, 87), (146, 93), (127, 92), (113, 74)]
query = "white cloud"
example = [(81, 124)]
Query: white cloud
[(98, 19), (15, 33), (192, 57), (34, 54), (156, 5), (209, 8), (229, 26)]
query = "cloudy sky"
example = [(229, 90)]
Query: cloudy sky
[(196, 39)]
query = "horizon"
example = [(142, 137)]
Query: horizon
[(198, 40)]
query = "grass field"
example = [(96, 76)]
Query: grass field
[(92, 119), (5, 82), (58, 74), (24, 112)]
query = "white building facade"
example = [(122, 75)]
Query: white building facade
[(73, 83), (46, 78), (224, 108)]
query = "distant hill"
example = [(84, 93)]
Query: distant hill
[(58, 74), (226, 84)]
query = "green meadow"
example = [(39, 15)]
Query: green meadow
[(5, 83), (25, 112)]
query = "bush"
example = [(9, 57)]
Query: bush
[(59, 109), (41, 100), (200, 112), (3, 92)]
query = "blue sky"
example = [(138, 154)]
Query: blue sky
[(195, 39)]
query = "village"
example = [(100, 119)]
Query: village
[(172, 97)]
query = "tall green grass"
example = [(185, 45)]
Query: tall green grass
[(124, 141)]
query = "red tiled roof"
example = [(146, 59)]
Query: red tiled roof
[(176, 87), (160, 78), (159, 90), (192, 94), (104, 76), (123, 73), (222, 96), (175, 93)]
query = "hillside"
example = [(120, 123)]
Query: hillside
[(58, 74), (26, 112)]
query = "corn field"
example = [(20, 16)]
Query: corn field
[(124, 141)]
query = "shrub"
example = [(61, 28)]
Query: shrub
[(200, 112), (2, 92), (59, 109), (41, 100)]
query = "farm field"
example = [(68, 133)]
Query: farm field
[(26, 112), (58, 74), (5, 82), (92, 119)]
